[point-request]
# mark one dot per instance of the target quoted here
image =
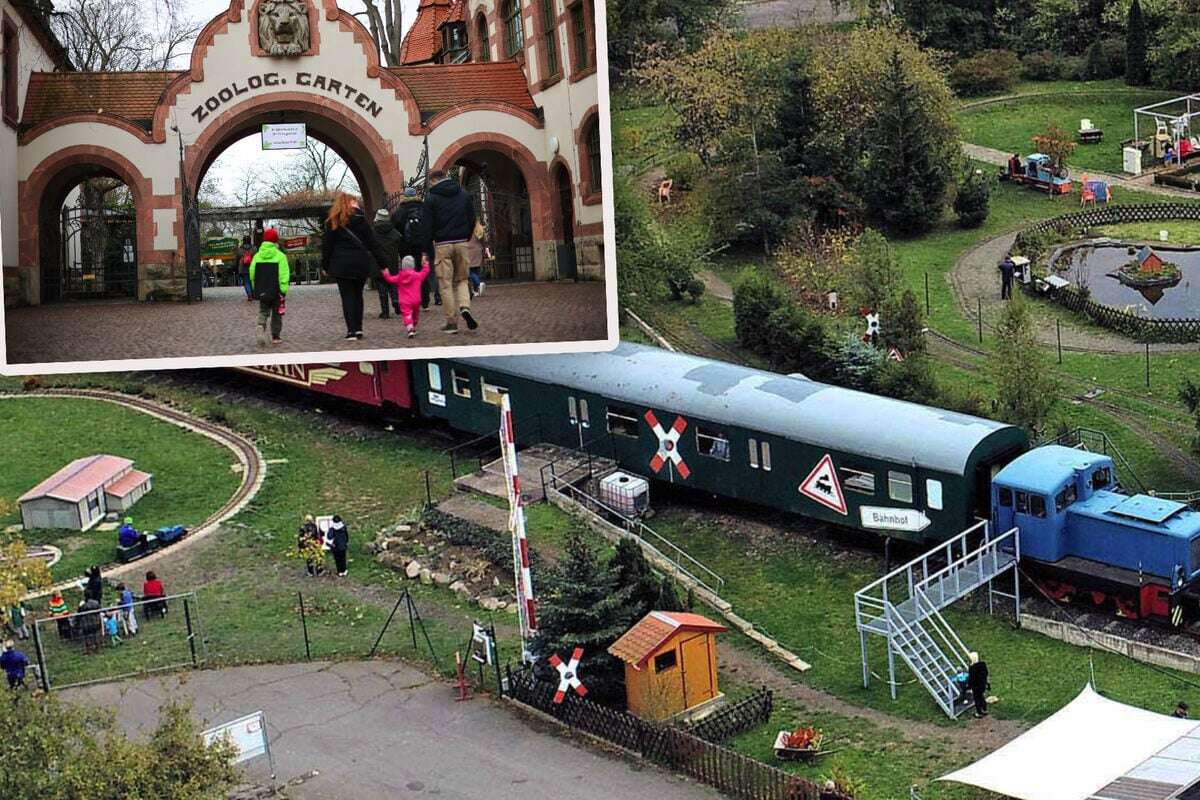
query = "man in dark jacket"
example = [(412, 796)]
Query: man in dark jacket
[(14, 663), (450, 212), (389, 242), (1007, 269), (410, 220), (977, 681), (340, 544), (245, 254)]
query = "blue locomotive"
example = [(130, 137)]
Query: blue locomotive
[(1084, 539)]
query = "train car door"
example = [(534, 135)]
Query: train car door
[(579, 414)]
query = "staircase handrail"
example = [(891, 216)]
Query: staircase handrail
[(923, 559), (894, 618), (990, 544), (943, 628)]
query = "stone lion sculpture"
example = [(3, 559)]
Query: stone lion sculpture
[(283, 27)]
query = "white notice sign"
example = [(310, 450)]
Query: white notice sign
[(248, 735), (285, 137), (894, 519)]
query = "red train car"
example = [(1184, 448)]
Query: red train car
[(375, 383)]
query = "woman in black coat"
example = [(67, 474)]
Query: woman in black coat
[(350, 254)]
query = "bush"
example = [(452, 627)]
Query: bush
[(986, 72), (797, 343), (1105, 59), (754, 299), (974, 195), (1046, 65), (695, 289)]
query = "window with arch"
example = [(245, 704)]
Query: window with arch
[(595, 175), (550, 39), (581, 36), (514, 28), (483, 47)]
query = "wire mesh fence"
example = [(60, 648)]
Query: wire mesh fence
[(94, 645)]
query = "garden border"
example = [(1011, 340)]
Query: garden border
[(1140, 329)]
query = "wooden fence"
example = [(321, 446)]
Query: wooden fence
[(734, 720), (1141, 329), (730, 772)]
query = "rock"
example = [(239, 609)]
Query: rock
[(390, 543), (453, 564), (443, 579), (413, 569), (496, 582), (492, 603), (393, 559), (512, 609), (460, 588), (426, 576), (403, 529)]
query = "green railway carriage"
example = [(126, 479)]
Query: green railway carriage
[(846, 457)]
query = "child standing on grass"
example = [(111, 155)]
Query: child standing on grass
[(408, 286), (128, 619), (110, 629)]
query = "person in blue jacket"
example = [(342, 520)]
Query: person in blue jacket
[(14, 663), (127, 535)]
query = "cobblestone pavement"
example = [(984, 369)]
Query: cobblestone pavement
[(374, 730), (225, 324)]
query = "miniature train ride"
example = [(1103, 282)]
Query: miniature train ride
[(1038, 170), (149, 543), (852, 459)]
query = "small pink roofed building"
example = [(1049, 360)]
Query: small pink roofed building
[(81, 493)]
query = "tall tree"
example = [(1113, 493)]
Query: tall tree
[(586, 608), (124, 35), (909, 172), (903, 326), (385, 20), (72, 751), (1025, 387), (1137, 46), (638, 26), (876, 272)]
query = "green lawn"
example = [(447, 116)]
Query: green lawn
[(1179, 232), (192, 475), (1012, 124)]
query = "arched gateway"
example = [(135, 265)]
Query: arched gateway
[(495, 111)]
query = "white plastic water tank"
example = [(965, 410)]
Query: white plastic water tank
[(626, 494), (1132, 160)]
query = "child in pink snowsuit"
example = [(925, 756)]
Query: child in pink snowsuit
[(408, 288)]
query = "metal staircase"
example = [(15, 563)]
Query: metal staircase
[(905, 607)]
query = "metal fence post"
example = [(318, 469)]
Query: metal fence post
[(43, 673), (187, 619), (428, 491), (1147, 365), (304, 627), (980, 311), (1058, 333), (928, 307)]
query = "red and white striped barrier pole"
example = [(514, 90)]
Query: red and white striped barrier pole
[(526, 605)]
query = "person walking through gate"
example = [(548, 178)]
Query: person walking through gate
[(451, 215), (977, 681), (411, 221), (408, 282), (350, 254), (1007, 270), (14, 664), (479, 253), (340, 543), (390, 241), (270, 275), (245, 254)]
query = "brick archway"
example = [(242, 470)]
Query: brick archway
[(536, 174), (373, 160), (49, 184)]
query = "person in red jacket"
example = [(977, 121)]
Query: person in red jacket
[(153, 590), (408, 282)]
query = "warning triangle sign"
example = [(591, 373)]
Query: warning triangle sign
[(822, 485)]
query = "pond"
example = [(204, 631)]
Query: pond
[(1095, 267)]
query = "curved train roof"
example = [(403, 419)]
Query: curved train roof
[(794, 408)]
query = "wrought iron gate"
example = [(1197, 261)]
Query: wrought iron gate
[(97, 256), (509, 224)]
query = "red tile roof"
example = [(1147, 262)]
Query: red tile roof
[(653, 631), (80, 478), (423, 41), (438, 87), (131, 95), (130, 481)]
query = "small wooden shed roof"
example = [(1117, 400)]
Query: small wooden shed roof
[(653, 630), (80, 478), (127, 483)]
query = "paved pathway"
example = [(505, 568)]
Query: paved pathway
[(225, 324), (382, 730)]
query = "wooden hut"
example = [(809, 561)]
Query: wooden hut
[(81, 493), (670, 664)]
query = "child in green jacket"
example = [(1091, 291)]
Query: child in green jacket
[(269, 277)]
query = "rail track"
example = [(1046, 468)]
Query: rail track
[(254, 469)]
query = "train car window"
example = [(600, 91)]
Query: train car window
[(1101, 478), (583, 414), (858, 481), (712, 443), (1065, 498), (490, 392), (766, 456), (622, 424), (572, 409), (461, 383), (754, 453), (1005, 497), (900, 486), (1037, 505), (1022, 503), (435, 377), (933, 494)]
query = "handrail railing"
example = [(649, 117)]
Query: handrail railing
[(923, 560), (1080, 435), (896, 620), (493, 438), (956, 566), (943, 628), (642, 532)]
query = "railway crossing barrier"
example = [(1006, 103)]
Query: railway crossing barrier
[(905, 607)]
